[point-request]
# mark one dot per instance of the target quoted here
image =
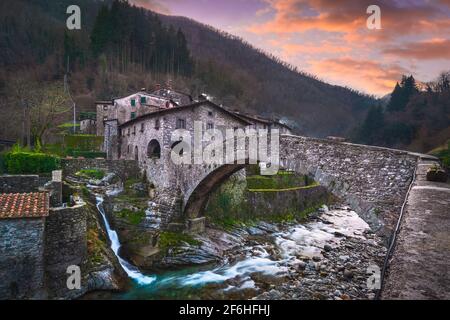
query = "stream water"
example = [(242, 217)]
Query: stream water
[(283, 248)]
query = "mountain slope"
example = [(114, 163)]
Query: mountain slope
[(319, 108)]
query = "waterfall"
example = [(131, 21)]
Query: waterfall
[(130, 270)]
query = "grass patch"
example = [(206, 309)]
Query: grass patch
[(91, 174), (95, 247), (169, 240), (133, 217)]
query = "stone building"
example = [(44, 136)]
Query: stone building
[(39, 239), (126, 108), (22, 233), (114, 119)]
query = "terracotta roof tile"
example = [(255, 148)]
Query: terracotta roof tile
[(24, 205)]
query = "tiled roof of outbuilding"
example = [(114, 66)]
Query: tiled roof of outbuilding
[(24, 205)]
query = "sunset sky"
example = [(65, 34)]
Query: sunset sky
[(329, 38)]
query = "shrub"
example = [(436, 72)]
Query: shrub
[(84, 142), (22, 162)]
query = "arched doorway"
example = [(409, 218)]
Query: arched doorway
[(154, 149)]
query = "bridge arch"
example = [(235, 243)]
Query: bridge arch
[(373, 181)]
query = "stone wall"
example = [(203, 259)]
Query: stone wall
[(65, 245), (19, 183), (372, 180), (123, 168), (22, 258)]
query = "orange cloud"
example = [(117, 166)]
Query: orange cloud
[(426, 50), (152, 5), (292, 49), (363, 74), (349, 17)]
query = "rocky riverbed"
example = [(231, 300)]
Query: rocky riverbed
[(330, 255)]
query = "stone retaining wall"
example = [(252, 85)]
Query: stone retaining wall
[(281, 203), (19, 183)]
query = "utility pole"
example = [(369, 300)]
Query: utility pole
[(67, 89)]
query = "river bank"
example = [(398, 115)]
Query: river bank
[(328, 257)]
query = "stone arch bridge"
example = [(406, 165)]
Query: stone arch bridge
[(374, 181)]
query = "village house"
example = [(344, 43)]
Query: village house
[(140, 126)]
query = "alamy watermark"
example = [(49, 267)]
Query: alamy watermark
[(229, 146), (73, 22), (374, 20), (74, 279)]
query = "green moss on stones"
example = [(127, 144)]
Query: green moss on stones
[(132, 217), (91, 174), (169, 240)]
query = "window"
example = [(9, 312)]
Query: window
[(105, 107), (134, 130), (154, 149), (105, 118), (210, 113), (210, 126), (128, 149), (133, 102), (143, 100), (128, 132), (142, 127), (136, 153), (157, 124), (181, 124), (133, 115)]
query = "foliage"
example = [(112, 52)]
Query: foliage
[(127, 35), (169, 240), (20, 162), (84, 142), (133, 217), (92, 173), (443, 154), (414, 120)]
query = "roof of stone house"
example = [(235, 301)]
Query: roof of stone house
[(259, 119), (182, 97), (163, 94), (24, 205), (176, 109)]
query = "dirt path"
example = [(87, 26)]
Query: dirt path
[(420, 267)]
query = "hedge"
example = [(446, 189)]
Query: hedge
[(30, 163)]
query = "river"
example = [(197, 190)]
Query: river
[(273, 258)]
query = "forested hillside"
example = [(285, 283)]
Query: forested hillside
[(267, 84), (121, 48), (413, 119)]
